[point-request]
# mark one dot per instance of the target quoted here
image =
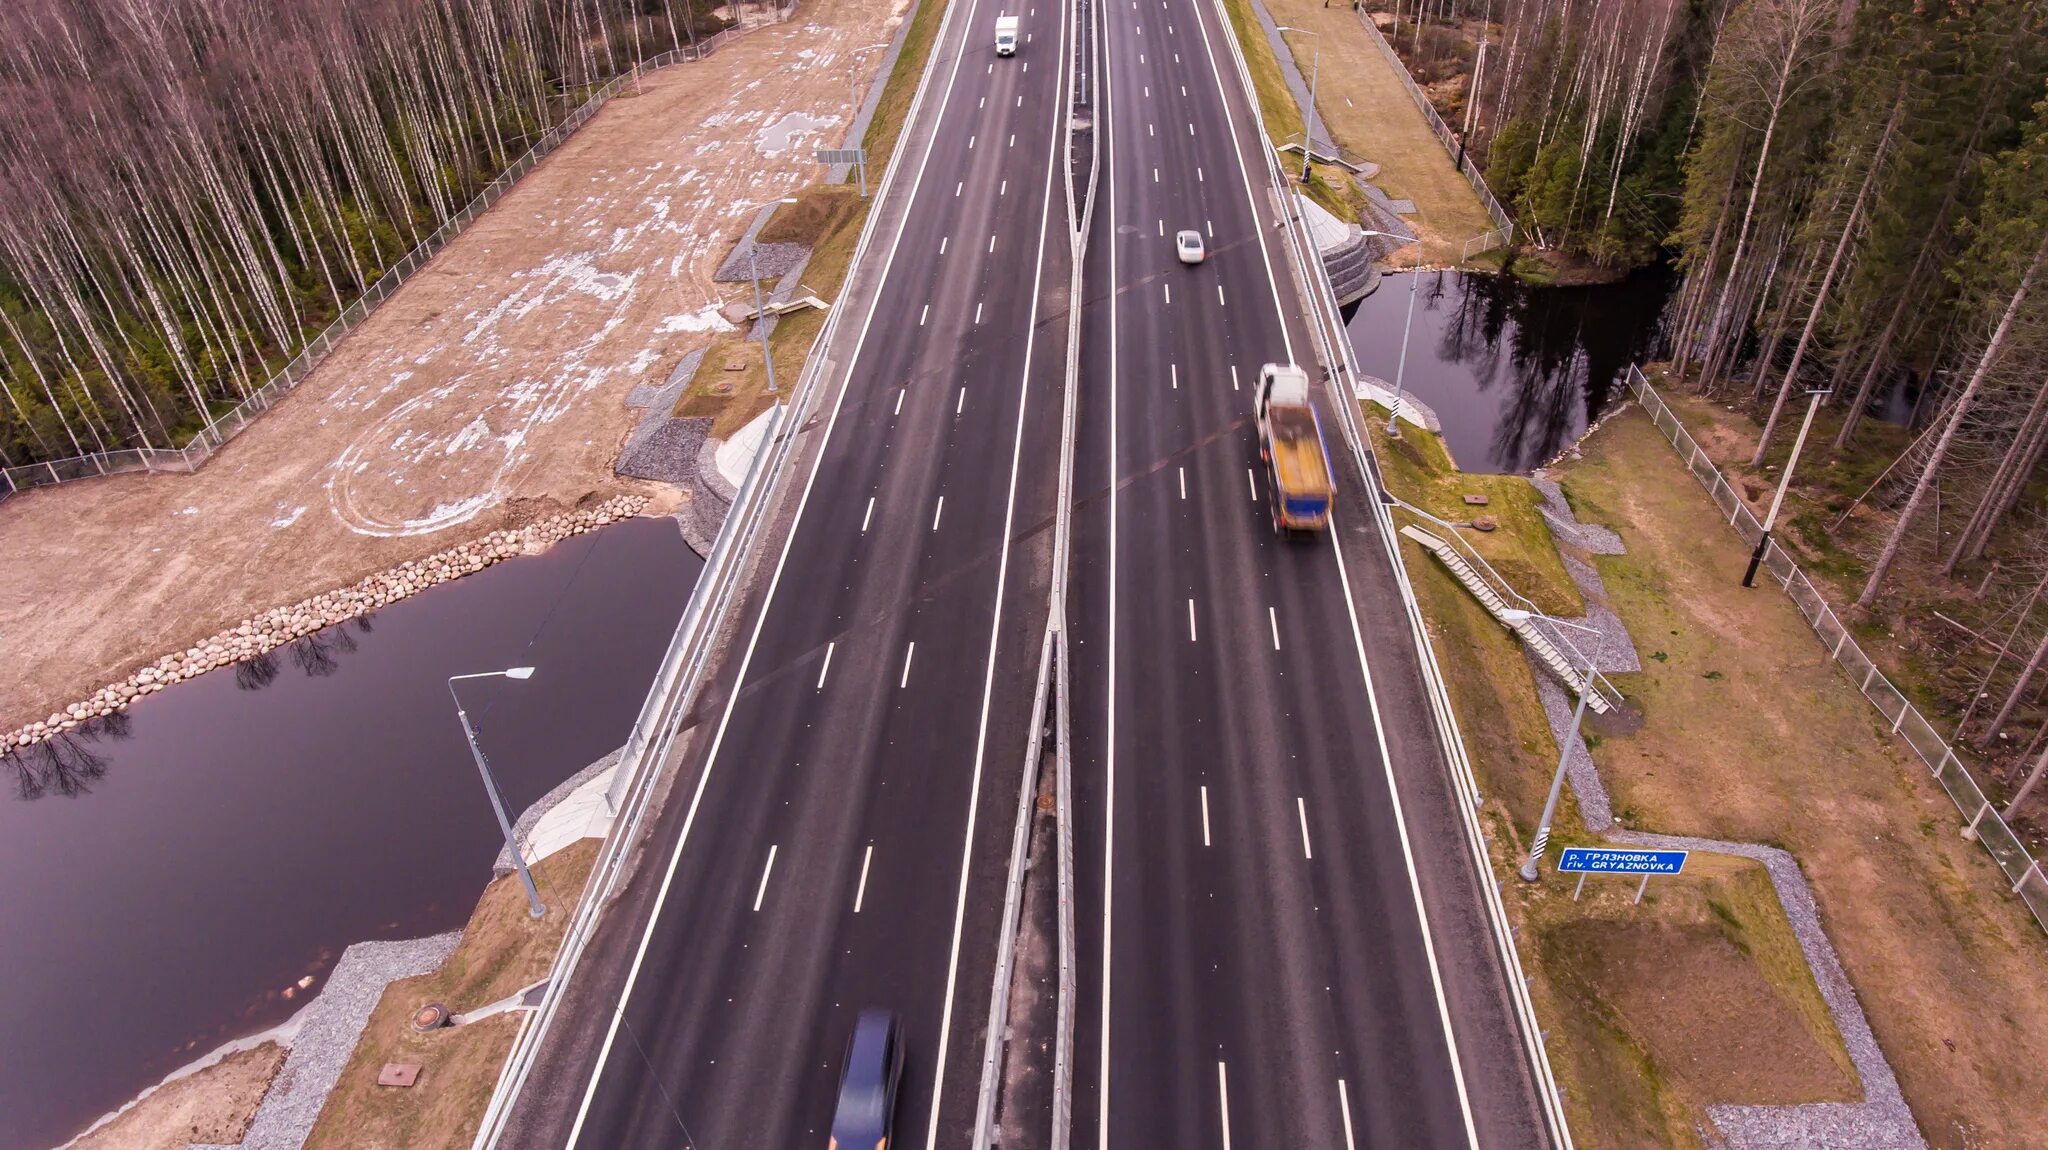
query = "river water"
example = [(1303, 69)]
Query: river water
[(168, 880), (1515, 372)]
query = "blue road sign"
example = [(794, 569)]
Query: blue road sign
[(1620, 860)]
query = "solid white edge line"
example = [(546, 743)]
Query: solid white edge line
[(860, 895), (1301, 808), (1223, 1101), (1205, 814), (1344, 1105), (767, 603), (761, 891), (1357, 636), (1109, 756), (1443, 1006), (996, 622), (909, 653), (826, 666)]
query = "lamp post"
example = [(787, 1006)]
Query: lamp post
[(1315, 73), (853, 78), (1401, 368), (534, 907), (1515, 617), (754, 274), (1763, 542)]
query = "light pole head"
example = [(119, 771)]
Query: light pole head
[(519, 673)]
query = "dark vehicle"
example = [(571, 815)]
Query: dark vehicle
[(867, 1086)]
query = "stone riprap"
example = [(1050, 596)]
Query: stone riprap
[(282, 625)]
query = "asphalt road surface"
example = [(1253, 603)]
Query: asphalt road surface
[(1260, 968), (836, 839), (1282, 936)]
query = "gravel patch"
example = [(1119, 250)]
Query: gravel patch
[(770, 261), (668, 453), (328, 1036), (1882, 1121)]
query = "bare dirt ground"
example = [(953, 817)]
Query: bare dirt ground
[(489, 389), (1751, 734), (1368, 109), (212, 1106)]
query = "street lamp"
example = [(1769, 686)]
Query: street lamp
[(853, 78), (534, 907), (1401, 368), (1515, 617), (754, 273), (1763, 542), (1315, 73)]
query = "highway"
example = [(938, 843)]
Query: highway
[(837, 832), (1260, 967)]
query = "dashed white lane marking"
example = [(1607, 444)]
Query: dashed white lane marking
[(991, 69), (1141, 57), (1176, 57), (1169, 29), (1001, 191), (1183, 490), (1027, 65), (991, 244), (1301, 808), (1169, 292), (958, 188), (1149, 131), (827, 665), (1148, 95), (860, 893), (1344, 1104), (1020, 101), (970, 142), (960, 404), (1219, 295), (1233, 368), (924, 315), (864, 521), (1208, 224), (1205, 816), (1252, 482), (1155, 175), (1191, 129), (909, 653), (1223, 1099), (761, 891), (1191, 622), (977, 313), (1183, 87), (984, 102), (943, 239), (1162, 227), (1013, 135), (1199, 177), (938, 511), (900, 393), (1174, 368), (1273, 617)]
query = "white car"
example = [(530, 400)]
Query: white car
[(1188, 246)]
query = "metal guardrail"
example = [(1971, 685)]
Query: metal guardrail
[(734, 554), (1327, 325), (1984, 824), (211, 438), (1466, 167)]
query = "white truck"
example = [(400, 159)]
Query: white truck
[(1006, 35)]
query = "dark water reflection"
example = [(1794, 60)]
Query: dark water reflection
[(1514, 371), (170, 872)]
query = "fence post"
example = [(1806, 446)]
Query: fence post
[(2033, 869)]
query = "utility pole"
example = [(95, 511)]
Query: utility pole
[(1763, 542)]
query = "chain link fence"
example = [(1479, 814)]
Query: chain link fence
[(2022, 870), (216, 433), (1501, 221)]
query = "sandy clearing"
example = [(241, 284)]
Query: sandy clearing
[(487, 391)]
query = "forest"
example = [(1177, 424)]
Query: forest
[(191, 189), (1855, 199)]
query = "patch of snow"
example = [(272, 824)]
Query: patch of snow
[(705, 319), (288, 518)]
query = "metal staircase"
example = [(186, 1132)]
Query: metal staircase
[(1539, 644)]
